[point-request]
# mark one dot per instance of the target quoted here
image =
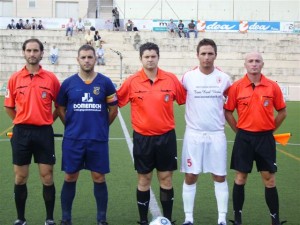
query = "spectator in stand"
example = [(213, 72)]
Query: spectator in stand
[(20, 25), (80, 26), (11, 25), (88, 38), (40, 26), (27, 25), (171, 28), (53, 54), (181, 29), (192, 28), (34, 25), (116, 16), (129, 25), (136, 41), (97, 39), (100, 55), (69, 27)]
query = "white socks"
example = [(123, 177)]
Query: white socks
[(221, 192), (188, 197)]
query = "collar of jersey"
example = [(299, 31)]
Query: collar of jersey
[(159, 75), (26, 73)]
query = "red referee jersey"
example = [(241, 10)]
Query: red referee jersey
[(152, 110), (255, 107), (32, 96)]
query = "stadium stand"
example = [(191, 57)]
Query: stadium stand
[(281, 52)]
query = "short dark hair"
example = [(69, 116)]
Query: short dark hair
[(205, 42), (86, 48), (149, 46), (33, 40)]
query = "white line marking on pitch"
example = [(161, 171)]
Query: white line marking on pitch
[(153, 207)]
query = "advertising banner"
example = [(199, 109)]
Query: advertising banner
[(218, 26), (287, 27), (263, 26), (161, 25), (297, 27)]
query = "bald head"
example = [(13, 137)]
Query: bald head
[(253, 54), (254, 63)]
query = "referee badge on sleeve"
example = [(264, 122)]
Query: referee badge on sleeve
[(7, 93)]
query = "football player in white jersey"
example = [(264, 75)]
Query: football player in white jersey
[(204, 144)]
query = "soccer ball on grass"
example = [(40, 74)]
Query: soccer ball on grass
[(160, 221)]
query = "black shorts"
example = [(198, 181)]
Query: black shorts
[(155, 152), (254, 146), (36, 141)]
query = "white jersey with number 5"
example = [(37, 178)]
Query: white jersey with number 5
[(204, 143)]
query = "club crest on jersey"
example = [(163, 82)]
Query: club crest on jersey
[(167, 97), (96, 90), (44, 94), (219, 80)]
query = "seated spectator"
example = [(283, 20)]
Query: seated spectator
[(80, 26), (11, 25), (69, 27), (181, 29), (192, 28), (88, 38), (97, 39), (136, 41), (40, 26), (129, 26), (171, 28), (53, 54), (100, 55), (20, 25), (34, 25), (27, 25)]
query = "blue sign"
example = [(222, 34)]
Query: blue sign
[(228, 26), (264, 26)]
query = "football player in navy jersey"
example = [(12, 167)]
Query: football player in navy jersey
[(87, 106)]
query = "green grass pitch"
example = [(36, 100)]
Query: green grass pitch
[(122, 209)]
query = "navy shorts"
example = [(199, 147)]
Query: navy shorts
[(254, 146), (155, 152), (85, 154), (30, 140)]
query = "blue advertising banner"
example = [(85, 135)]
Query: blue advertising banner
[(264, 26), (243, 26), (218, 26)]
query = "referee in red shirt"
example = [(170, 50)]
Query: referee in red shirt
[(255, 97), (28, 102), (151, 93)]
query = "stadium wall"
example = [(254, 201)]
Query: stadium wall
[(265, 10)]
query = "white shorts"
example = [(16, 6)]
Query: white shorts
[(204, 152)]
